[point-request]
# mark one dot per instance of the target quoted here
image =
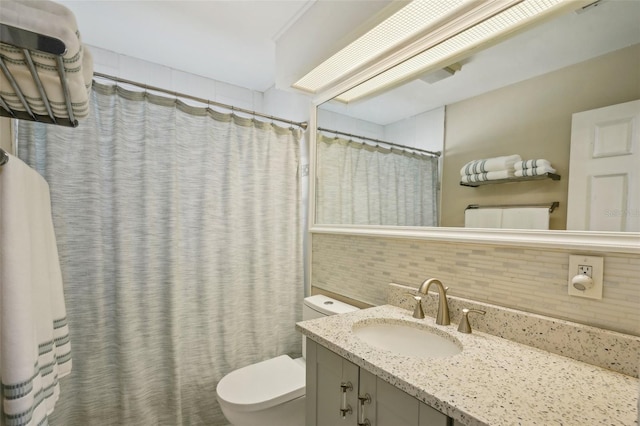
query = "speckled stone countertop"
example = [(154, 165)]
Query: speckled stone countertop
[(493, 381)]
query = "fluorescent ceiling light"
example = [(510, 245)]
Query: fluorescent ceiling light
[(404, 25), (454, 47)]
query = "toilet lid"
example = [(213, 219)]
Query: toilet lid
[(262, 385)]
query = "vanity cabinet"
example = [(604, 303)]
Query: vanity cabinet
[(341, 393)]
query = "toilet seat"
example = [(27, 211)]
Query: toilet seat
[(262, 385)]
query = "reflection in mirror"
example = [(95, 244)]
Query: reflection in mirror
[(370, 182), (516, 97)]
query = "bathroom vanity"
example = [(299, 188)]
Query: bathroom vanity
[(491, 381), (338, 389)]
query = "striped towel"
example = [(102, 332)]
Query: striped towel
[(34, 335), (532, 164), (482, 177), (494, 164), (536, 171), (53, 20)]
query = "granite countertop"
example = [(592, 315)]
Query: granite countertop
[(493, 381)]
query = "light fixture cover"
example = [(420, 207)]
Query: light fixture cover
[(454, 48), (408, 22)]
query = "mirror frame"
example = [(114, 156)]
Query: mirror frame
[(583, 241)]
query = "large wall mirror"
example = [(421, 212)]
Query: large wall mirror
[(514, 97)]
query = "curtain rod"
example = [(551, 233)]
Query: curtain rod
[(434, 153), (303, 125)]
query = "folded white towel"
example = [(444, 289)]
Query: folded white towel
[(483, 218), (54, 20), (490, 165), (481, 177), (534, 172), (34, 335), (531, 164)]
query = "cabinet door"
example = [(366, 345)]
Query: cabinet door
[(367, 398), (431, 417), (328, 391), (395, 407), (382, 404)]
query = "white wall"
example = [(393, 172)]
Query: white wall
[(424, 131), (275, 102), (336, 121)]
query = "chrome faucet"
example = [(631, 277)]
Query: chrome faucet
[(442, 318)]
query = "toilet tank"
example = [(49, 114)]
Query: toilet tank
[(319, 306)]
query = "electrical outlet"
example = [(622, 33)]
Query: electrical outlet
[(585, 270), (590, 266)]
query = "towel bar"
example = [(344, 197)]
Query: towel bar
[(552, 207)]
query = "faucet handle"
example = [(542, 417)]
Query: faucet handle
[(418, 312), (464, 326)]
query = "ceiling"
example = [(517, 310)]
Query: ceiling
[(234, 41), (260, 44)]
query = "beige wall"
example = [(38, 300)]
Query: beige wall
[(531, 118), (532, 280), (5, 135)]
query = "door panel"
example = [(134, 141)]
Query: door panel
[(604, 174)]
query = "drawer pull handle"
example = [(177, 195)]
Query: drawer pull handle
[(344, 407), (362, 420)]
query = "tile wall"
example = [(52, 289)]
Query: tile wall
[(533, 280)]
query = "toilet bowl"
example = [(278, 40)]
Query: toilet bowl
[(272, 392)]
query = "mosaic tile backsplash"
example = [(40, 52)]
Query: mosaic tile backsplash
[(533, 280)]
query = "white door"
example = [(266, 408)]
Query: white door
[(604, 173)]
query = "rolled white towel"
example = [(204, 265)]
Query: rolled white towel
[(54, 20), (482, 177), (494, 164), (534, 172), (532, 164), (42, 21)]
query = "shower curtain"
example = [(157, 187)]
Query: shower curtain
[(361, 184), (180, 243)]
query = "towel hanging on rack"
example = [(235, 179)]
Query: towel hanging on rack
[(509, 216), (34, 335)]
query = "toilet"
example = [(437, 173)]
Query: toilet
[(271, 392)]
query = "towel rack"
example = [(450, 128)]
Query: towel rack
[(552, 176), (28, 42), (552, 207), (4, 157)]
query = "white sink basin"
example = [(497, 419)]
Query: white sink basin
[(407, 339)]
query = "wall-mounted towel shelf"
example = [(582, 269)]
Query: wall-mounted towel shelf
[(551, 176), (31, 43), (554, 205), (42, 78)]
